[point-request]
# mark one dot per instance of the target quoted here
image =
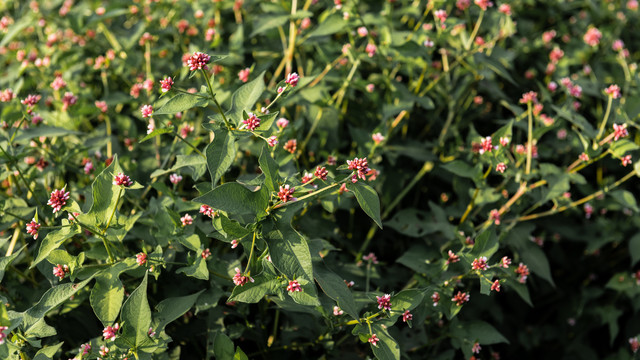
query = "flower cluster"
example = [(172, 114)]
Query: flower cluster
[(32, 228), (373, 340), (523, 272), (206, 210), (480, 263), (58, 199), (460, 298), (60, 271), (286, 193), (360, 166), (198, 61), (122, 180), (141, 259), (110, 332), (294, 286), (166, 84), (239, 279), (252, 122), (384, 302), (321, 173)]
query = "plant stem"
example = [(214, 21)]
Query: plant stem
[(529, 137), (253, 243), (475, 31), (188, 143), (213, 96), (603, 124), (306, 196)]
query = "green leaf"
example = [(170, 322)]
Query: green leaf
[(197, 270), (486, 244), (7, 260), (220, 152), (521, 290), (233, 228), (537, 261), (107, 294), (476, 330), (626, 199), (245, 98), (48, 352), (335, 288), (223, 347), (105, 195), (253, 292), (387, 348), (240, 355), (136, 316), (155, 133), (43, 130), (195, 163), (49, 301), (171, 309), (368, 200), (272, 21), (461, 168), (290, 255), (54, 239), (236, 199), (330, 25), (269, 168), (578, 120), (181, 102), (622, 146), (634, 249)]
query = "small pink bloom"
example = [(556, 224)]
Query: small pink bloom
[(441, 15), (151, 333), (371, 49), (151, 127), (361, 167), (453, 258), (58, 199), (166, 84), (146, 111), (588, 210), (619, 131), (460, 298), (205, 253), (592, 36), (239, 279), (109, 333), (463, 4), (58, 83), (476, 348), (626, 160), (198, 61), (186, 220), (291, 145), (617, 45), (370, 88), (435, 298), (504, 141), (384, 302), (282, 123), (292, 79), (504, 262), (483, 4), (634, 344), (495, 286), (370, 257), (60, 271), (337, 311), (175, 179), (584, 157), (32, 228), (286, 193), (377, 138), (102, 106), (252, 122), (103, 350), (243, 75), (272, 140), (207, 211), (68, 99), (552, 86), (523, 272), (480, 263), (306, 178), (373, 340), (529, 97), (362, 31), (234, 244), (486, 145), (505, 9), (407, 316), (141, 259), (122, 180), (494, 215), (85, 348), (613, 91), (321, 173), (294, 286), (30, 100), (501, 167)]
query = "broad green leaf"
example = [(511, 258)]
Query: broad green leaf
[(220, 152), (105, 195), (330, 25), (269, 168), (170, 309), (477, 330), (54, 239), (335, 288), (47, 352), (290, 255), (223, 347), (622, 146), (197, 270), (232, 227), (240, 355), (634, 249), (49, 301), (253, 292), (181, 102), (461, 168), (107, 294), (406, 300), (236, 199), (245, 98), (486, 244), (537, 261), (195, 163), (521, 289), (7, 260), (578, 120), (136, 316), (387, 348), (626, 199), (43, 130), (368, 200), (155, 133)]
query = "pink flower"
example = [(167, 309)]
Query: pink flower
[(547, 120), (234, 244), (103, 350), (483, 4), (122, 180), (205, 253), (32, 228), (252, 122), (504, 141), (373, 340), (294, 286), (435, 298), (198, 61), (634, 344), (292, 79), (58, 83), (58, 199), (617, 45), (529, 97), (239, 279), (185, 130), (151, 333), (495, 216), (495, 286), (561, 134), (207, 211), (504, 262), (175, 179), (453, 258), (291, 145), (407, 316), (505, 9), (272, 140), (552, 86), (501, 167), (486, 145), (146, 111), (384, 302), (371, 256), (166, 84), (361, 166), (321, 173), (555, 55), (371, 49), (306, 178), (575, 91), (592, 36), (151, 127), (588, 210), (463, 4), (619, 131), (30, 100), (282, 123), (243, 75), (377, 138), (626, 160), (6, 95), (480, 263), (141, 259), (337, 311), (186, 220), (286, 193), (441, 15), (362, 31), (109, 333), (476, 348), (584, 157), (613, 91), (102, 106), (60, 271), (68, 99), (523, 272), (460, 298), (632, 5)]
